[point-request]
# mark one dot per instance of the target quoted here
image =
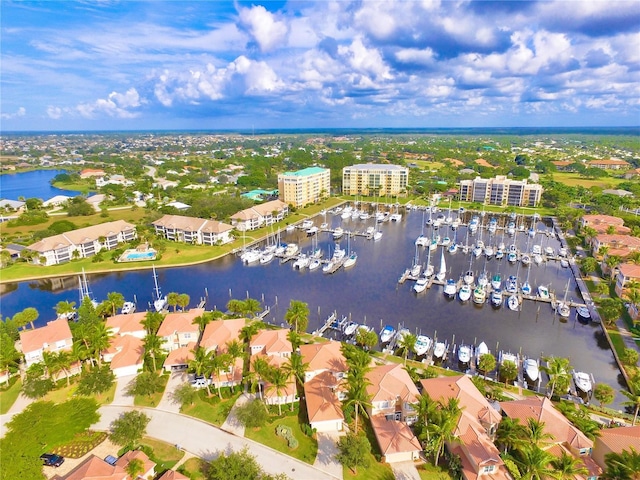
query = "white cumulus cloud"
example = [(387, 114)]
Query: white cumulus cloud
[(21, 112), (268, 31)]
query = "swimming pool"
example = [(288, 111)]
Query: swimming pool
[(137, 256)]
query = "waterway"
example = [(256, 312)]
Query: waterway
[(370, 293), (34, 184)]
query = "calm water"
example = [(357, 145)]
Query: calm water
[(34, 184), (368, 292)]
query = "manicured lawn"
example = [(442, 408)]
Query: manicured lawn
[(573, 179), (375, 471), (61, 394), (164, 454), (428, 471), (192, 468), (9, 395), (307, 448), (153, 400), (211, 410), (106, 397)]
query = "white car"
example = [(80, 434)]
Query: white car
[(199, 382)]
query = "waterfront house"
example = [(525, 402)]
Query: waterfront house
[(127, 324), (16, 206), (475, 429), (392, 392), (323, 395), (622, 244), (275, 348), (125, 355), (193, 230), (615, 440), (602, 223), (54, 337), (628, 273), (264, 214), (216, 337), (178, 330), (91, 173), (82, 243), (395, 439), (304, 187), (56, 201), (564, 437), (323, 357), (179, 358)]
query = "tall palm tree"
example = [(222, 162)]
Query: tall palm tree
[(535, 432), (633, 394), (508, 371), (534, 463), (236, 307), (622, 466), (407, 344), (202, 364), (203, 320), (115, 300), (567, 467), (261, 367), (248, 331), (220, 363), (510, 434), (442, 428), (252, 307), (153, 347), (183, 300), (172, 300), (279, 379), (63, 307), (51, 361), (152, 321), (357, 395), (296, 367), (558, 369), (99, 339), (297, 315)]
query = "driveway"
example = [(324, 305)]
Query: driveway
[(120, 397), (327, 451), (167, 402), (405, 471), (231, 424), (206, 441)]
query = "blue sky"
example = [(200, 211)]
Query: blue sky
[(104, 65)]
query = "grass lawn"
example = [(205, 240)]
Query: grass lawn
[(61, 394), (153, 400), (211, 410), (9, 395), (193, 469), (164, 454), (573, 179), (428, 471), (106, 397), (307, 448)]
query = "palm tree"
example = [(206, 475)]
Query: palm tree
[(52, 364), (535, 432), (63, 307), (279, 379), (236, 307), (357, 395), (510, 434), (612, 261), (261, 367), (172, 300), (558, 370), (634, 257), (115, 300), (622, 466), (248, 331), (99, 340), (183, 300), (487, 363), (252, 307), (442, 428), (151, 322), (589, 264), (508, 371), (202, 364), (153, 347), (633, 394), (296, 367), (534, 463), (297, 315), (407, 344), (220, 363), (603, 250)]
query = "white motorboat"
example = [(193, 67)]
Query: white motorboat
[(512, 257), (464, 293), (582, 381), (513, 303), (536, 250), (453, 248), (351, 260), (350, 329), (422, 241), (423, 344), (338, 253), (328, 267), (512, 284), (499, 255), (464, 354), (421, 284), (302, 262), (312, 231), (338, 232), (562, 252), (315, 264), (583, 314), (477, 251), (468, 277), (531, 370), (493, 225), (128, 307), (543, 292), (564, 263), (434, 244), (473, 225), (496, 281), (483, 279), (455, 223), (479, 295), (481, 349), (377, 235), (387, 333), (563, 309), (489, 251), (291, 250), (532, 232), (526, 259), (439, 350), (266, 257), (365, 216), (290, 228), (548, 251), (307, 224), (537, 258), (511, 229), (450, 288), (395, 217), (416, 268), (496, 297), (251, 256)]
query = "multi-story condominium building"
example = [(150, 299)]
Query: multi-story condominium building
[(501, 191), (304, 186), (374, 179), (82, 243), (193, 230), (263, 214)]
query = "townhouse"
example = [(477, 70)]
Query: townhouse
[(178, 330), (54, 337), (264, 214), (615, 440), (275, 347), (200, 231), (603, 223), (216, 337)]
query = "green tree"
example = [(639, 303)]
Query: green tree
[(261, 368), (202, 364), (366, 338), (297, 315), (96, 381), (633, 395), (510, 434), (183, 300), (153, 347), (114, 302), (219, 364), (234, 466), (558, 370), (603, 393), (129, 428), (151, 322), (64, 308), (252, 414), (28, 315), (9, 356), (535, 432), (236, 307), (359, 363), (622, 466), (251, 307), (508, 371), (279, 380), (135, 468), (185, 395), (589, 265), (354, 451), (629, 357), (534, 463), (203, 320), (487, 363), (172, 300), (296, 367), (407, 344), (146, 383)]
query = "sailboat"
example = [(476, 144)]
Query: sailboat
[(450, 288), (422, 241), (513, 302), (526, 286), (416, 268), (563, 308), (160, 302), (352, 257), (442, 273), (377, 235), (84, 289)]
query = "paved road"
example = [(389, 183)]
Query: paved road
[(205, 441), (18, 406)]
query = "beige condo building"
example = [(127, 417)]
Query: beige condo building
[(306, 186), (501, 191), (374, 179)]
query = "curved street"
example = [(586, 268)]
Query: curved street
[(206, 441)]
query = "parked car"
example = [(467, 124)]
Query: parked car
[(51, 459), (199, 382)]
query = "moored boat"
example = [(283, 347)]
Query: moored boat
[(421, 284), (464, 354), (481, 350), (563, 309), (496, 281), (450, 288), (582, 381), (422, 346), (439, 349), (531, 370), (464, 293), (351, 260), (338, 232), (496, 297), (513, 302), (350, 328), (315, 264), (266, 257), (128, 307), (583, 314), (387, 333), (468, 277), (543, 292), (479, 295)]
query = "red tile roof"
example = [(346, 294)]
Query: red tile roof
[(394, 436), (180, 322), (52, 332)]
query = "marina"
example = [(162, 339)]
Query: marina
[(369, 293)]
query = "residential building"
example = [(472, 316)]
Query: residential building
[(375, 179), (395, 439), (563, 436), (475, 429), (95, 468), (615, 440), (193, 230), (323, 357), (54, 337), (216, 337), (306, 186), (82, 243), (323, 395), (392, 392), (275, 348), (172, 475), (91, 173), (263, 214), (56, 201), (178, 330), (501, 190), (148, 466), (17, 206), (622, 244), (179, 358), (627, 273), (127, 324), (602, 223), (125, 355), (609, 164)]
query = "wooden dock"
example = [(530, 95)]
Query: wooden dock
[(327, 324)]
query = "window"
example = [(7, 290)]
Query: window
[(488, 469)]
